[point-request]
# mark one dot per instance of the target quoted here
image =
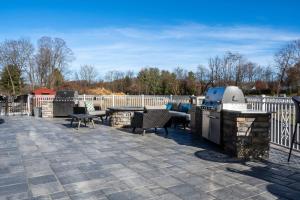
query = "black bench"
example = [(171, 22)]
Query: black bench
[(98, 112)]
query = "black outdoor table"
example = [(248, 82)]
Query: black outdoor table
[(82, 117)]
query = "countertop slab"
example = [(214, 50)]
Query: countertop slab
[(246, 111)]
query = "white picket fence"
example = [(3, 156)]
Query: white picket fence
[(106, 101), (283, 112)]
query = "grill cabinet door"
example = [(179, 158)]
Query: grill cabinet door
[(205, 124), (214, 127)]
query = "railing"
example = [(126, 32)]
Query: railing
[(37, 100), (282, 111), (106, 101), (13, 108)]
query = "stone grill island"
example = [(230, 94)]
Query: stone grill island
[(246, 133), (120, 117), (225, 119)]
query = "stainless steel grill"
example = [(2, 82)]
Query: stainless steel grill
[(63, 103), (217, 99)]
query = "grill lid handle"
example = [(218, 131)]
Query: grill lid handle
[(212, 117), (234, 98)]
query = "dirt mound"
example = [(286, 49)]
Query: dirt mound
[(102, 91)]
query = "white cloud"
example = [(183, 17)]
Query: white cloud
[(166, 47)]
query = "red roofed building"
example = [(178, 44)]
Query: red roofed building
[(43, 91)]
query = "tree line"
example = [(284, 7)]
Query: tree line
[(283, 76), (24, 67)]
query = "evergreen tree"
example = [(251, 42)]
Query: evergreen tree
[(11, 81), (58, 78)]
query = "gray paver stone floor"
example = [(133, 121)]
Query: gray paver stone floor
[(46, 159)]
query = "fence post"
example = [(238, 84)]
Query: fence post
[(28, 104), (143, 100), (113, 100), (84, 97), (263, 102), (171, 98)]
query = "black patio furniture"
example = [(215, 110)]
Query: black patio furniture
[(178, 119), (97, 112), (79, 110), (154, 118), (296, 100), (125, 108), (180, 113), (82, 117)]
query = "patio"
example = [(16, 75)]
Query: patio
[(45, 159)]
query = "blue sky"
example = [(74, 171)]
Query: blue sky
[(131, 34)]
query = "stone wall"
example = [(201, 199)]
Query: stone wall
[(120, 119), (47, 109), (246, 135)]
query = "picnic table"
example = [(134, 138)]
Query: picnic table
[(82, 117)]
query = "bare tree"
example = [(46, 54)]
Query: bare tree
[(52, 55), (110, 77), (180, 75), (17, 53), (129, 74), (201, 73), (293, 75), (232, 68), (202, 76), (268, 74), (249, 69), (285, 58), (215, 66), (88, 73)]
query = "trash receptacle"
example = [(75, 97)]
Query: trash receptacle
[(37, 111)]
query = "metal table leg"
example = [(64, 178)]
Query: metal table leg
[(72, 120), (93, 123), (79, 122)]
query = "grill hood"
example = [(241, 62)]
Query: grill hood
[(221, 95)]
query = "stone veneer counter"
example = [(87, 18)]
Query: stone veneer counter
[(121, 116), (246, 133)]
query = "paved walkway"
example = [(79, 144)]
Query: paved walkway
[(45, 159)]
